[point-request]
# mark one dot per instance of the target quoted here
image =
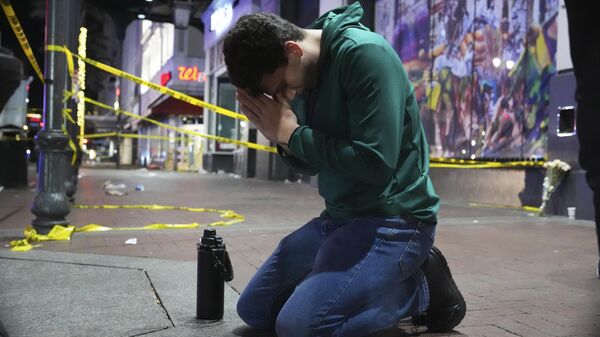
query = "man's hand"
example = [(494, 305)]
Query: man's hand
[(273, 119)]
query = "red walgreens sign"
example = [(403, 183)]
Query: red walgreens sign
[(191, 74)]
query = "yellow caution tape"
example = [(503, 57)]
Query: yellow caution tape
[(70, 63), (100, 135), (58, 233), (475, 164), (185, 131), (72, 146), (67, 115), (163, 90), (132, 135), (16, 27), (524, 208), (64, 233)]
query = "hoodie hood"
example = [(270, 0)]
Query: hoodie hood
[(334, 22)]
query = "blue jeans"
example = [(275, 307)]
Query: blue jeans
[(341, 277)]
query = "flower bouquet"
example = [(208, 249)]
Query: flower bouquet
[(555, 172)]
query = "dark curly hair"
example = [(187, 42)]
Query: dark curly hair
[(254, 48)]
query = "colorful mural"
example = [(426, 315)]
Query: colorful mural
[(480, 69)]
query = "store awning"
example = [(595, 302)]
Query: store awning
[(172, 106)]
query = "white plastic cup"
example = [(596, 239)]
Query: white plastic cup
[(571, 212)]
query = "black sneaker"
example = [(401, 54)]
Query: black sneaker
[(447, 306)]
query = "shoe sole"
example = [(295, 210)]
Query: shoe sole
[(459, 310)]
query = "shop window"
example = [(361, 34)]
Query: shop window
[(226, 126)]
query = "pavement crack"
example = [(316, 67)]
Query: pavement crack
[(504, 329), (73, 263), (11, 213), (158, 300), (149, 332)]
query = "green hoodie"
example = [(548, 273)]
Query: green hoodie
[(360, 128)]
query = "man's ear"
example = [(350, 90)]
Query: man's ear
[(292, 48)]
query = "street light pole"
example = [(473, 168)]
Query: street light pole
[(72, 169), (51, 204)]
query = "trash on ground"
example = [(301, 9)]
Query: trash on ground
[(1, 188), (132, 241), (115, 192), (139, 188), (109, 185)]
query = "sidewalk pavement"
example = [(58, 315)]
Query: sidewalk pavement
[(521, 275)]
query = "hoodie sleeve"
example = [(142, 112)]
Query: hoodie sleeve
[(376, 88), (295, 163)]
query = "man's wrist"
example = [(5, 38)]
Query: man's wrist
[(284, 150), (287, 135)]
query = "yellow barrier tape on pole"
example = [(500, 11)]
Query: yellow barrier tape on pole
[(72, 146), (70, 63), (16, 27), (67, 115), (163, 90), (180, 130), (64, 233)]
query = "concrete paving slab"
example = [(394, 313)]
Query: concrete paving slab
[(68, 294)]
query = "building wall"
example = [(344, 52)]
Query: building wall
[(150, 49), (481, 71)]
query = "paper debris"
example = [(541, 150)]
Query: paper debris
[(132, 241)]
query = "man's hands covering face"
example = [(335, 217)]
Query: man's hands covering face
[(274, 118)]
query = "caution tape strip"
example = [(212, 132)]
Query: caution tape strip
[(477, 164), (72, 146), (20, 34), (524, 208), (163, 90), (64, 233), (185, 131), (132, 135)]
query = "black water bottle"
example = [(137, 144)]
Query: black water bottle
[(214, 268)]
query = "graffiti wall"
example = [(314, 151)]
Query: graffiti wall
[(480, 69)]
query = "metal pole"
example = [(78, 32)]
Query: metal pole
[(72, 169), (51, 205)]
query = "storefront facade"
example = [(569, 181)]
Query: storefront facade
[(173, 58)]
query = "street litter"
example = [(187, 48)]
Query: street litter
[(139, 188), (111, 188), (132, 241), (109, 185), (115, 192), (1, 188)]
